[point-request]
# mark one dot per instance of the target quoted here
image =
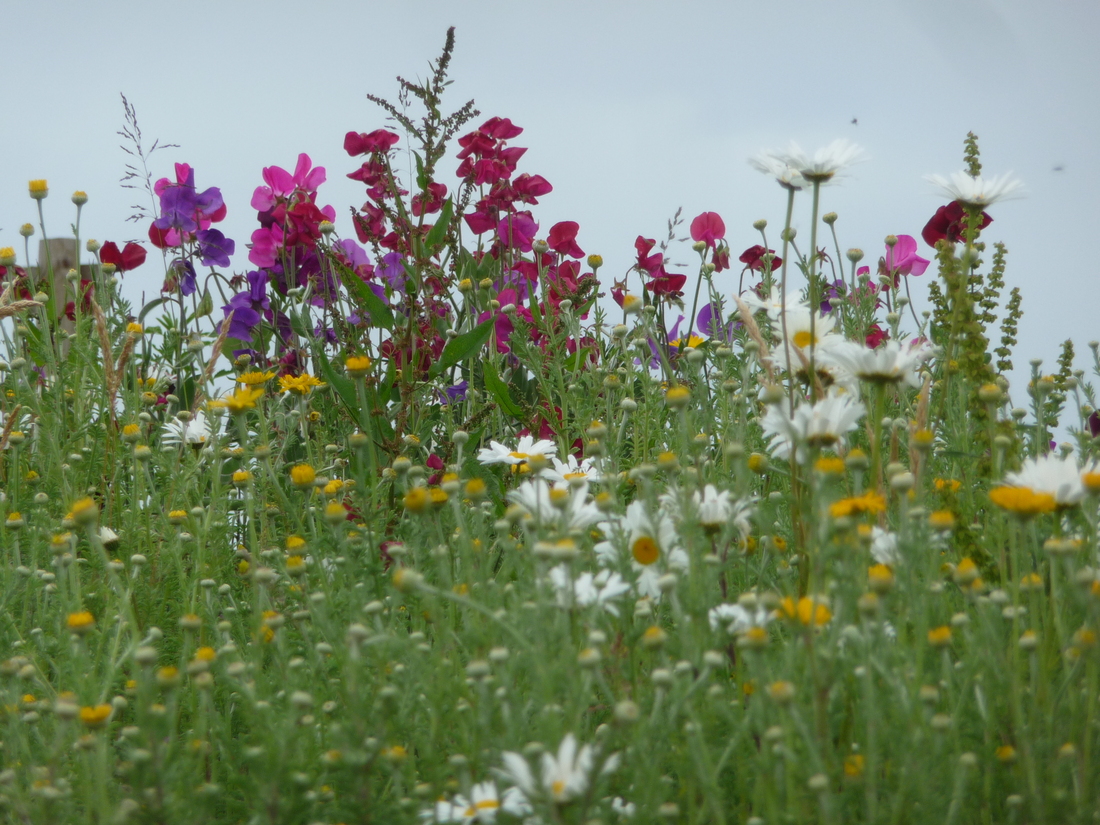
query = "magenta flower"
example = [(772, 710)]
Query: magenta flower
[(360, 143), (281, 183), (903, 259), (708, 228), (518, 231), (646, 262), (266, 243), (753, 258), (563, 239)]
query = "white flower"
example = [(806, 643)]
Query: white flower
[(565, 777), (737, 619), (1056, 475), (823, 424), (560, 505), (601, 589), (652, 544), (889, 363), (821, 166), (978, 192), (571, 470), (195, 431), (481, 807), (773, 303), (712, 507), (497, 453), (884, 547), (784, 175)]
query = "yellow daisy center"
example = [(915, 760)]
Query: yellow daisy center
[(645, 550)]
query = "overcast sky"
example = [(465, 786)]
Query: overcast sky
[(630, 110)]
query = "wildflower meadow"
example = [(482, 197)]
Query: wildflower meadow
[(430, 518)]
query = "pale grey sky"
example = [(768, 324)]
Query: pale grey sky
[(630, 109)]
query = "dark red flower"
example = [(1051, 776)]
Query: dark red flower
[(949, 223), (753, 258), (131, 257), (876, 335), (436, 194)]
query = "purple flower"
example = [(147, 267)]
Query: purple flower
[(454, 393), (392, 269), (214, 247), (185, 276), (248, 307), (709, 322), (355, 254), (182, 206)]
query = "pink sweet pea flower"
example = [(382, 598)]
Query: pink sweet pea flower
[(563, 239), (902, 257), (646, 262), (708, 228), (518, 231), (361, 143), (282, 184)]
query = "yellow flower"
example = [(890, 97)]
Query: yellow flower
[(475, 489), (241, 478), (299, 384), (295, 565), (357, 366), (829, 465), (941, 520), (38, 189), (1022, 501), (416, 500), (677, 396), (1091, 482), (858, 505), (808, 611), (84, 510), (758, 463), (947, 485), (1032, 581), (95, 717), (206, 654), (781, 692), (880, 578), (853, 765), (240, 401), (334, 487), (1006, 754), (7, 256), (254, 378), (939, 636), (134, 328), (80, 622), (303, 475)]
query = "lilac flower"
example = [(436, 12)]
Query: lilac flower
[(355, 254), (457, 392), (214, 247)]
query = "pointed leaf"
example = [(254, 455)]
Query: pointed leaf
[(460, 348)]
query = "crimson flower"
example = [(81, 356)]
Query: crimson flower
[(361, 143), (646, 262), (753, 258), (875, 336), (131, 257), (949, 223), (563, 239), (431, 202), (667, 283), (708, 228)]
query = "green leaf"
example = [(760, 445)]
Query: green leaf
[(380, 314), (421, 179), (149, 307), (437, 235), (500, 391), (460, 348)]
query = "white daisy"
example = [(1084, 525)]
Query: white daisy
[(601, 589), (560, 505), (737, 619), (565, 777), (652, 545), (196, 431), (824, 164), (571, 470), (890, 363), (773, 304), (784, 175), (823, 424), (1059, 476), (884, 547), (483, 805), (978, 192), (497, 453)]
